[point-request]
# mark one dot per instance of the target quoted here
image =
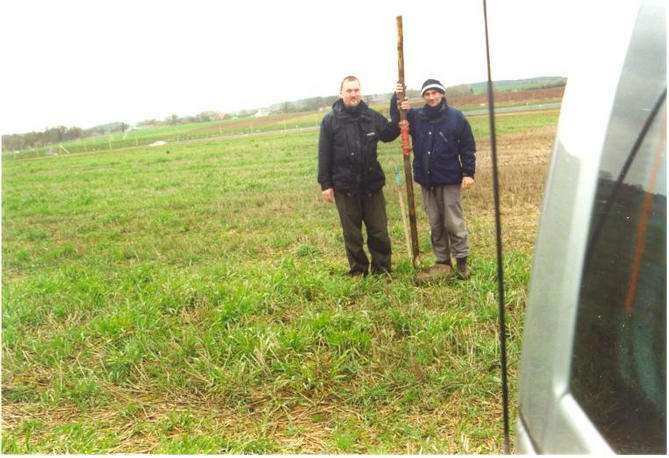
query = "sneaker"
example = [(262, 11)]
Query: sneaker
[(435, 272), (462, 271)]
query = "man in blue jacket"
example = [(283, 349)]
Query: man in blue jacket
[(444, 163), (351, 176)]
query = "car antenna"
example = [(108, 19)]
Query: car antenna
[(498, 227)]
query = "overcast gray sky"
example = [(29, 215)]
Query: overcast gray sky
[(83, 63)]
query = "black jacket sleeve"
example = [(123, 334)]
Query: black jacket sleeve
[(394, 111), (325, 154), (388, 131)]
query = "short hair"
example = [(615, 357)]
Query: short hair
[(347, 78)]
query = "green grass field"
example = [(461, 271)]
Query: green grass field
[(192, 298)]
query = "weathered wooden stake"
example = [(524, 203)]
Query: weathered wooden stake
[(406, 145)]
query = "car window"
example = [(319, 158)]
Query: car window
[(618, 372)]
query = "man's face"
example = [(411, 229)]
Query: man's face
[(350, 93), (432, 97)]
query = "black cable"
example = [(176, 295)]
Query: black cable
[(498, 227)]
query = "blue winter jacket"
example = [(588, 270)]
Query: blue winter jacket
[(444, 148)]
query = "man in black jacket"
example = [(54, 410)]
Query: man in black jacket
[(350, 175)]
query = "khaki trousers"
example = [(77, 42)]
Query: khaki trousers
[(447, 225)]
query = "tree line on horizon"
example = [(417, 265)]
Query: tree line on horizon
[(53, 135), (60, 134)]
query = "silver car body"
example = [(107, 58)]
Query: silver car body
[(606, 102)]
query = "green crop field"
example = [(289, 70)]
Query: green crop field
[(192, 298)]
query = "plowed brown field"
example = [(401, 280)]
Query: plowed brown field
[(529, 95)]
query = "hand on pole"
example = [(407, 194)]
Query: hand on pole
[(403, 102)]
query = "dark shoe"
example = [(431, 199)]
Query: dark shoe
[(462, 271), (380, 271), (357, 273)]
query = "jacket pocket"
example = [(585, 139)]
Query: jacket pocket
[(450, 145)]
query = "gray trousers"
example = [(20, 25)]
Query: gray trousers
[(447, 225), (371, 208)]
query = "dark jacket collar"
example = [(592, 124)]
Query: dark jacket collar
[(340, 112), (436, 114)]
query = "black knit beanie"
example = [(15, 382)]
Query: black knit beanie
[(434, 85)]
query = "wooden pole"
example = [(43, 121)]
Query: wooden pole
[(406, 145), (405, 224), (404, 221)]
